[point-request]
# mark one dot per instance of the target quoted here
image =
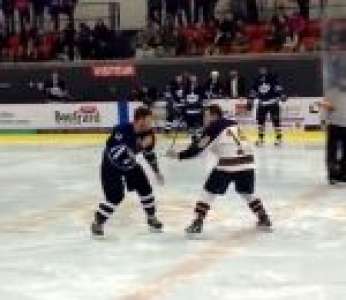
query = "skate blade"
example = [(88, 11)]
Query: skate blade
[(156, 230), (193, 235), (265, 229), (97, 237)]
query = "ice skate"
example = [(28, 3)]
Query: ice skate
[(264, 223), (154, 224), (259, 143), (97, 230), (195, 228), (278, 143)]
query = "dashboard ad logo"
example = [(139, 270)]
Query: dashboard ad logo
[(120, 70), (84, 115)]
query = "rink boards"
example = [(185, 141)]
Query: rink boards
[(86, 116)]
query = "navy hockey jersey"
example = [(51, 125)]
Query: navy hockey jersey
[(194, 100), (267, 90), (124, 144)]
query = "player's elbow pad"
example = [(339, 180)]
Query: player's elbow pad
[(190, 152)]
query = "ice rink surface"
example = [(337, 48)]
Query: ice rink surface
[(49, 193)]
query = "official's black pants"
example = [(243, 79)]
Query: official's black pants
[(336, 152)]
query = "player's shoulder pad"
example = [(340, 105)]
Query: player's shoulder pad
[(123, 130)]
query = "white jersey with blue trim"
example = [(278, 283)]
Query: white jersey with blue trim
[(224, 140), (233, 152)]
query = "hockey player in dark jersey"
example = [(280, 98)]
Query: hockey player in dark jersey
[(119, 168), (235, 164), (267, 90), (178, 87), (171, 113), (213, 87), (193, 111)]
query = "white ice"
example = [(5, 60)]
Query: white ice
[(48, 195)]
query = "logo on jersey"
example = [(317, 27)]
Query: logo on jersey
[(264, 88), (192, 98)]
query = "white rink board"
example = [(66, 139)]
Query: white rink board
[(58, 115), (296, 112)]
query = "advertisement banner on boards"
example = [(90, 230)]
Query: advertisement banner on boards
[(58, 115), (22, 116), (82, 115), (295, 112)]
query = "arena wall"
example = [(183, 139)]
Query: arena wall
[(300, 74)]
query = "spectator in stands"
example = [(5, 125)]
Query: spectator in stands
[(38, 13), (222, 8), (183, 32), (184, 9), (296, 23), (169, 37), (252, 11), (2, 42), (25, 38), (204, 10), (280, 13), (154, 11), (277, 36), (8, 10), (54, 10), (152, 35), (179, 9), (120, 45), (239, 9), (22, 8), (225, 31), (182, 46), (85, 41), (2, 16), (47, 44), (172, 8), (39, 43), (15, 49), (209, 33), (240, 42), (69, 40), (101, 38), (304, 7), (68, 8), (145, 51), (190, 37), (291, 40), (101, 31)]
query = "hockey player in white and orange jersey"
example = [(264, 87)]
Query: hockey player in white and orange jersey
[(235, 163)]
